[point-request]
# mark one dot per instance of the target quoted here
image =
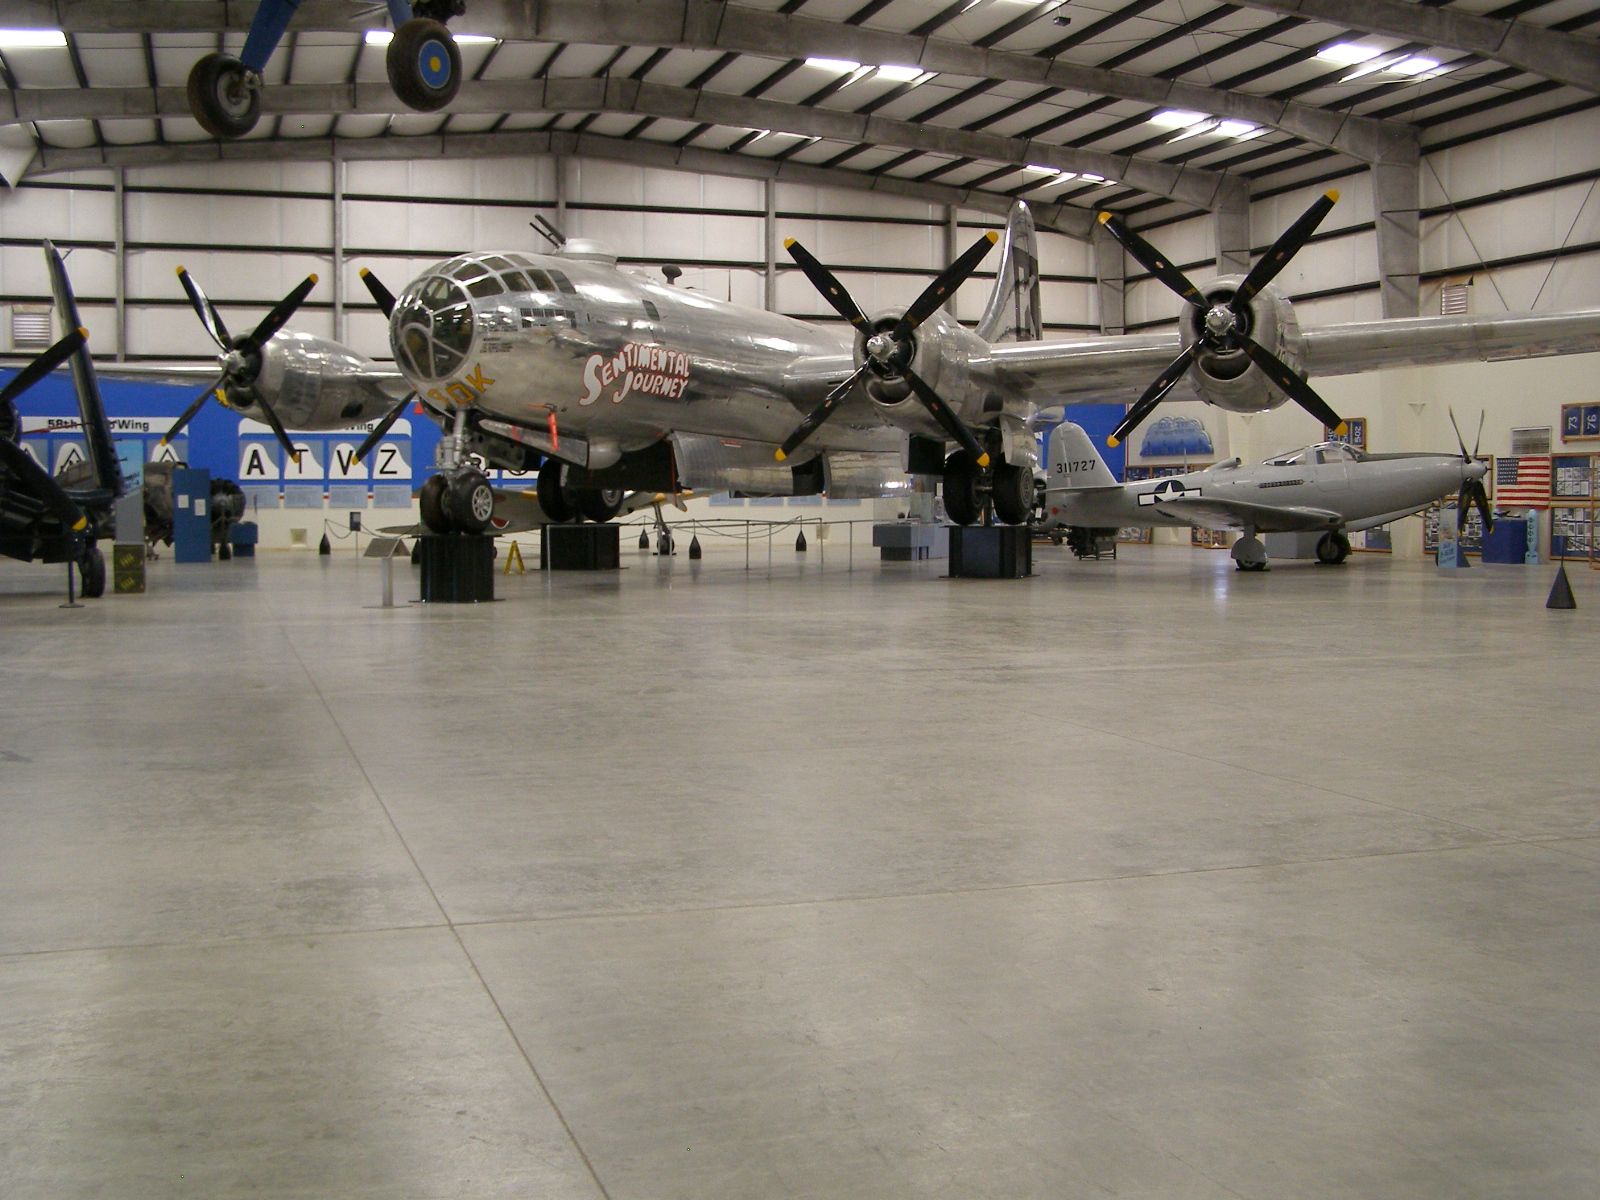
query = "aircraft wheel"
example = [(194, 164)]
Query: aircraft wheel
[(431, 500), (554, 497), (1012, 494), (469, 500), (92, 573), (1250, 554), (223, 97), (1333, 548), (963, 503), (424, 65), (598, 504)]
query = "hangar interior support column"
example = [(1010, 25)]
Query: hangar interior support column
[(1233, 228), (952, 248), (1396, 192), (769, 241), (119, 235), (337, 197), (1111, 280)]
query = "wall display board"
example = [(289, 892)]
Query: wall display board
[(1580, 422), (1574, 486), (1355, 433)]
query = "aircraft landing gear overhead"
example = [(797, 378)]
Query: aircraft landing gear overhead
[(224, 96), (1333, 548), (424, 64)]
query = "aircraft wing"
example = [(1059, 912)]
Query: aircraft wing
[(192, 375), (1115, 368), (1210, 513)]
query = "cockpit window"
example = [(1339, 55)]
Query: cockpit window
[(489, 285), (1297, 458), (432, 329), (515, 281), (495, 263), (563, 283)]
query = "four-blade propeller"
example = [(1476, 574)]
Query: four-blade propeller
[(15, 458), (241, 356), (889, 351), (1224, 327), (1473, 493), (384, 299)]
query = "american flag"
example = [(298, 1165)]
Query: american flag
[(1522, 482)]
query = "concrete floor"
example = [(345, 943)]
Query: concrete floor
[(1140, 878)]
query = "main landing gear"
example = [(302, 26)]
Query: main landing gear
[(562, 502), (423, 63), (1333, 548), (1249, 552), (968, 488)]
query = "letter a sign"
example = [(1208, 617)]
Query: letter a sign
[(258, 460)]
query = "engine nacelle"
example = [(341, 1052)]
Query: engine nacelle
[(311, 383), (1223, 375), (941, 353)]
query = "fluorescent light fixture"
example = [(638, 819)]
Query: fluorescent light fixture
[(1348, 54), (1178, 118), (21, 39), (1063, 177), (1414, 66), (1043, 170), (900, 74), (837, 65), (1241, 131), (1097, 180), (382, 37)]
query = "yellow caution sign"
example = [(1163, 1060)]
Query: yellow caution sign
[(515, 556)]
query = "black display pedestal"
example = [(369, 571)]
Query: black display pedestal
[(991, 552), (457, 568), (583, 547)]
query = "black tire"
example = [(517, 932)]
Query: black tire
[(1333, 548), (962, 502), (424, 65), (470, 501), (431, 500), (92, 574), (221, 98), (554, 497), (1012, 493), (598, 504)]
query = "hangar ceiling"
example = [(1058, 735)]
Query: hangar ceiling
[(1147, 107)]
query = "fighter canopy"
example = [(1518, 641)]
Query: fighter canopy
[(1225, 325)]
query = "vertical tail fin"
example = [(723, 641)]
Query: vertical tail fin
[(1012, 313), (1074, 462), (91, 409)]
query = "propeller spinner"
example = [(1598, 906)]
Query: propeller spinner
[(241, 356), (888, 351), (1224, 326)]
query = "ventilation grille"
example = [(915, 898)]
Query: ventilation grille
[(30, 325), (1532, 440), (1453, 299)]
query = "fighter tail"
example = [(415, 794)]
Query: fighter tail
[(1074, 462)]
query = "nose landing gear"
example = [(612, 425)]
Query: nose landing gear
[(459, 501)]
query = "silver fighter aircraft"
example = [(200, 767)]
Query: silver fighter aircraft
[(1328, 486), (613, 382)]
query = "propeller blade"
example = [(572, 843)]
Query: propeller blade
[(948, 421), (1292, 385), (277, 428), (1152, 259), (380, 294), (195, 406), (1478, 441), (38, 481), (824, 281), (1286, 247), (205, 310), (948, 281), (819, 414), (275, 320), (1153, 395), (382, 426), (43, 365), (1460, 441), (1480, 498)]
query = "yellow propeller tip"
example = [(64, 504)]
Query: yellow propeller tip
[(779, 455), (181, 271), (1104, 217), (313, 278), (83, 331), (1332, 194), (1113, 442), (162, 442), (993, 237), (1342, 428), (81, 525), (983, 460), (787, 242), (364, 272)]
